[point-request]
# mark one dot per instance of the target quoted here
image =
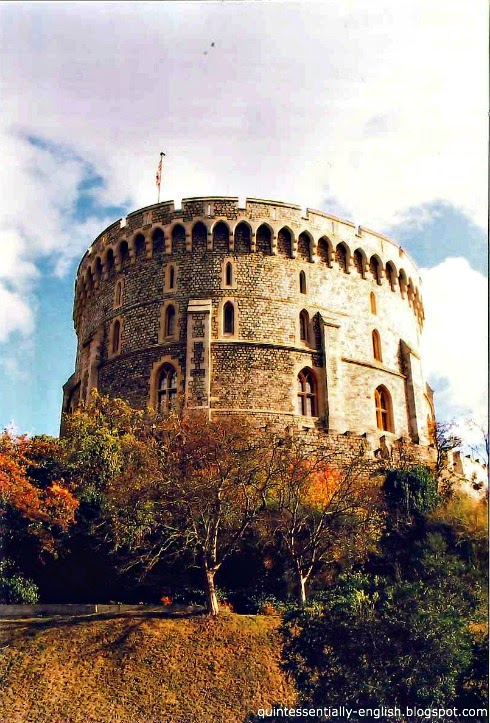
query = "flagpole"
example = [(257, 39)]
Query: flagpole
[(159, 175)]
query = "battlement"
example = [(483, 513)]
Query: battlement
[(271, 227), (257, 307)]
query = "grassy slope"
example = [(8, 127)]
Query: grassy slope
[(139, 669)]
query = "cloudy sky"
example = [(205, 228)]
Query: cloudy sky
[(376, 112)]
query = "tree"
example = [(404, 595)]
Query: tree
[(410, 493), (445, 438), (321, 508), (36, 506), (169, 485), (479, 444), (376, 642), (414, 634), (220, 472), (34, 501)]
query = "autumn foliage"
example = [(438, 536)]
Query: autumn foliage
[(34, 500)]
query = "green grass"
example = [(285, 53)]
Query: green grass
[(140, 668)]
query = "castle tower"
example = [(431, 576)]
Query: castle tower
[(294, 319)]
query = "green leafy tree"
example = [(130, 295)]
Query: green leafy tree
[(413, 635), (410, 493), (376, 642)]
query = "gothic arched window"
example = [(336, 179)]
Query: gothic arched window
[(304, 323), (116, 337), (302, 282), (229, 274), (167, 388), (118, 294), (306, 394), (384, 409), (228, 318), (372, 302), (169, 321), (377, 345)]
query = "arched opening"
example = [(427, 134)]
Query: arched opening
[(171, 277), (341, 257), (377, 345), (402, 282), (306, 398), (302, 282), (221, 237), (360, 263), (98, 269), (166, 389), (284, 243), (229, 274), (410, 293), (178, 239), (139, 246), (304, 324), (116, 337), (109, 263), (304, 246), (391, 275), (118, 294), (228, 318), (158, 240), (243, 238), (89, 282), (384, 409), (372, 302), (264, 240), (169, 324), (375, 269), (199, 237), (124, 253), (325, 250)]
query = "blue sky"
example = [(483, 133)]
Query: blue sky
[(322, 104)]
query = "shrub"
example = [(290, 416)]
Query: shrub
[(14, 587)]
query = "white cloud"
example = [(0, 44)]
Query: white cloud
[(380, 106), (15, 313), (383, 106), (455, 339)]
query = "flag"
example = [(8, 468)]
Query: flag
[(159, 171)]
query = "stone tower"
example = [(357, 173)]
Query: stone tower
[(295, 319)]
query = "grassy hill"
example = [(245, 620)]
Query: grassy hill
[(140, 668)]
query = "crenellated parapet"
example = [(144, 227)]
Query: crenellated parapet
[(292, 316), (261, 226)]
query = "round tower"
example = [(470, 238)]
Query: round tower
[(295, 319)]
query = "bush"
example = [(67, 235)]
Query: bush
[(197, 596), (14, 587), (411, 492), (378, 642)]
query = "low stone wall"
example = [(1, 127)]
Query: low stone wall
[(31, 611)]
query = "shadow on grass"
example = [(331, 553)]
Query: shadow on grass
[(13, 630)]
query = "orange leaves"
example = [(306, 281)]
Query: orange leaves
[(323, 485), (60, 505), (26, 490)]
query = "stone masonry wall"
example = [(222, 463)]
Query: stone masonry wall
[(355, 282)]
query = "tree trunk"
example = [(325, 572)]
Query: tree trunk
[(211, 599), (301, 589)]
